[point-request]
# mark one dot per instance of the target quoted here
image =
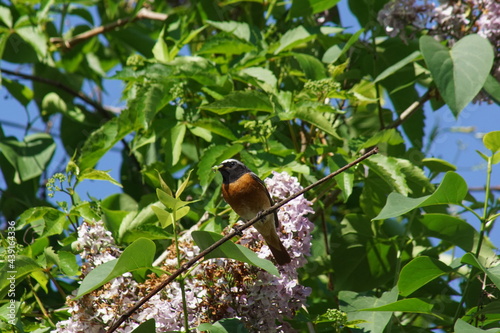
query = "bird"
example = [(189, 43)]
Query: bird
[(248, 196)]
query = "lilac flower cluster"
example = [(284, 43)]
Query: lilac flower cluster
[(216, 289), (449, 20)]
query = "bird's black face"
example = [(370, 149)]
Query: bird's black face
[(231, 170)]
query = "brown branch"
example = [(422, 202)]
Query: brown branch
[(103, 111), (235, 232), (142, 14), (411, 109)]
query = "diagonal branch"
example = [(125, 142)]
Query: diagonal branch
[(103, 111), (142, 14), (412, 109), (235, 232)]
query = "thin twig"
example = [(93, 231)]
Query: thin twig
[(105, 113), (235, 232), (411, 109), (142, 14)]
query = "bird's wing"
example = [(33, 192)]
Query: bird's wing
[(271, 202)]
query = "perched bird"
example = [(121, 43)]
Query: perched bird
[(247, 194)]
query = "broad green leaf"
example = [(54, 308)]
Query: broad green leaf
[(6, 16), (293, 38), (249, 100), (411, 305), (45, 221), (397, 66), (228, 325), (97, 175), (492, 273), (21, 93), (334, 53), (68, 264), (139, 254), (34, 36), (345, 180), (491, 141), (464, 327), (149, 326), (215, 126), (16, 271), (390, 136), (29, 157), (452, 190), (438, 165), (262, 76), (101, 141), (313, 68), (141, 110), (164, 217), (223, 44), (492, 87), (305, 112), (169, 201), (456, 231), (374, 322), (239, 29), (231, 250), (389, 170), (160, 50), (419, 272), (174, 145), (461, 72)]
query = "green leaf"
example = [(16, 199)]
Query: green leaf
[(34, 36), (160, 50), (397, 66), (389, 170), (164, 217), (231, 250), (215, 126), (45, 221), (16, 271), (68, 264), (149, 326), (183, 185), (456, 231), (174, 145), (491, 141), (138, 255), (492, 273), (464, 327), (438, 165), (305, 112), (410, 305), (452, 190), (239, 29), (492, 87), (29, 157), (97, 175), (374, 322), (228, 325), (390, 136), (334, 53), (241, 101), (461, 72), (345, 180), (101, 141), (21, 93), (263, 77), (313, 68), (419, 272), (294, 38), (223, 44)]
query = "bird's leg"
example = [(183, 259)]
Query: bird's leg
[(237, 230)]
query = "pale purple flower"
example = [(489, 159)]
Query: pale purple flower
[(217, 288)]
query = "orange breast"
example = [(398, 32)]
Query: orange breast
[(246, 196)]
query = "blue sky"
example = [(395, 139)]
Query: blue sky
[(454, 144)]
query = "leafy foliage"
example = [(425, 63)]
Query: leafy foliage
[(279, 86)]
